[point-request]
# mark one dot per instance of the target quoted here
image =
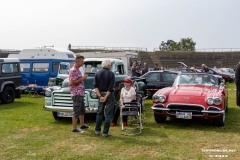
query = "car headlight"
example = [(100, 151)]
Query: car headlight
[(48, 92), (210, 101), (155, 98), (217, 101), (94, 94), (160, 98)]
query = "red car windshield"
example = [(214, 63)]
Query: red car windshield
[(196, 78)]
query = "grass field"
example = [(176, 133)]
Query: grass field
[(29, 132)]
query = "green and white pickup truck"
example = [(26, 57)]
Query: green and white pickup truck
[(58, 98)]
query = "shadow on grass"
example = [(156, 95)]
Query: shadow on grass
[(16, 105), (148, 137), (88, 118), (232, 123)]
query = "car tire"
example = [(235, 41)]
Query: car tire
[(226, 106), (7, 95), (160, 119), (148, 94), (220, 121)]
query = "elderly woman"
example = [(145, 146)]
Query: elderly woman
[(127, 94)]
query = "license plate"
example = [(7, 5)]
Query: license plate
[(64, 114), (184, 115)]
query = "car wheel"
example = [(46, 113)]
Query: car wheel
[(160, 119), (220, 121), (226, 106), (55, 116), (7, 95), (148, 94)]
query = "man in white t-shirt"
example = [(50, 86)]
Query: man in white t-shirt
[(127, 94)]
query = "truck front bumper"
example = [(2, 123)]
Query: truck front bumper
[(67, 109)]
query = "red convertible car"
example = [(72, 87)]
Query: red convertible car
[(193, 95)]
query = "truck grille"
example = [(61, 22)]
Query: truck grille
[(64, 99)]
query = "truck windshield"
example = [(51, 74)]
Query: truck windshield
[(92, 66)]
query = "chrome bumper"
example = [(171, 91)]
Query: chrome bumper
[(203, 111), (67, 109)]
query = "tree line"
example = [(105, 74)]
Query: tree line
[(186, 44)]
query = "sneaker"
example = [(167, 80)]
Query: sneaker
[(77, 131), (106, 135), (84, 127), (97, 133), (114, 124)]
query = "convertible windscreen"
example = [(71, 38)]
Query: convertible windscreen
[(203, 79)]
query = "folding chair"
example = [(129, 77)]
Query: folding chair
[(32, 91), (134, 112)]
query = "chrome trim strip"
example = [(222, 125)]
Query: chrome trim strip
[(67, 109), (160, 109), (218, 112)]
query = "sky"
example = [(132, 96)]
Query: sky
[(118, 23)]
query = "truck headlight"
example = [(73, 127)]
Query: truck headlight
[(48, 92), (210, 101), (94, 94)]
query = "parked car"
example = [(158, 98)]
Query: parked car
[(156, 80), (193, 95), (229, 71), (226, 77), (58, 98), (10, 80)]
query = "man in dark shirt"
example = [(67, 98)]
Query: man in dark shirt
[(135, 70), (204, 68), (104, 86), (156, 68), (145, 69)]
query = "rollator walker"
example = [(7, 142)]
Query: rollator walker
[(134, 111)]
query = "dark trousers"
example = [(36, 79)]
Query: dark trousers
[(105, 109), (116, 115), (238, 95)]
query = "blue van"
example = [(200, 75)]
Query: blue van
[(40, 64)]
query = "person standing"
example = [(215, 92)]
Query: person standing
[(77, 89), (204, 68), (156, 68), (237, 81), (104, 87), (135, 70), (145, 68)]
